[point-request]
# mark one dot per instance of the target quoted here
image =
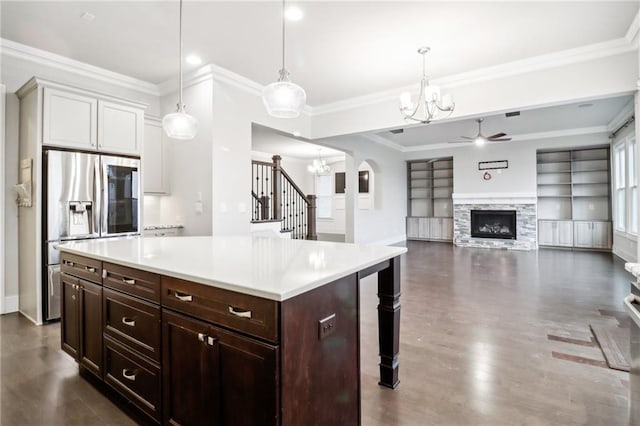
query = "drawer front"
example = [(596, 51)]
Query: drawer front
[(133, 322), (82, 267), (133, 377), (247, 314), (132, 281)]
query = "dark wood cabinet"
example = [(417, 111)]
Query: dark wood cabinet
[(215, 376), (81, 322)]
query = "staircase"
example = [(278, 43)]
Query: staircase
[(276, 198)]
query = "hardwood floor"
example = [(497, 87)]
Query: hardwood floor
[(478, 336)]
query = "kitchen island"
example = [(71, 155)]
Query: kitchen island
[(229, 330)]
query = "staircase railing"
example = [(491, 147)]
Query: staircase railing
[(275, 196)]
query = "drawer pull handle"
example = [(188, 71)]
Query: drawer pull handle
[(239, 313), (69, 263), (129, 281), (201, 337), (128, 321), (90, 269), (184, 298), (129, 374), (211, 340)]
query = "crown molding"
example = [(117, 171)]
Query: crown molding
[(632, 32), (524, 66), (45, 58)]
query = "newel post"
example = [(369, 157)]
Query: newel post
[(311, 218), (276, 181)]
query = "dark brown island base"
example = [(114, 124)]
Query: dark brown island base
[(189, 353)]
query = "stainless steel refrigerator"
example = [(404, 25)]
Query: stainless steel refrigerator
[(87, 196)]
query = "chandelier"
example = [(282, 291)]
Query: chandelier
[(319, 166), (284, 98), (430, 102)]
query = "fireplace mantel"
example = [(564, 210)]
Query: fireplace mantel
[(509, 198)]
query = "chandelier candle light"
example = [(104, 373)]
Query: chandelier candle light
[(180, 125), (319, 166), (430, 101), (284, 99)]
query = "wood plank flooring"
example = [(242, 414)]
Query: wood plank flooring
[(474, 347)]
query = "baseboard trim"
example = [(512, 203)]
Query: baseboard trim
[(622, 254), (11, 304)]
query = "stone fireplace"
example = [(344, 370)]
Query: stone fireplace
[(501, 221)]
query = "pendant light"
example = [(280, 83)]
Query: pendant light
[(284, 99), (179, 124)]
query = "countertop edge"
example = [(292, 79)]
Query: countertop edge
[(278, 297)]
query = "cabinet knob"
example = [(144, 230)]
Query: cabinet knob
[(129, 374), (201, 337), (211, 340)]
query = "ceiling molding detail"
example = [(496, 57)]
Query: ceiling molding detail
[(622, 116), (524, 66), (633, 30), (45, 58), (514, 138)]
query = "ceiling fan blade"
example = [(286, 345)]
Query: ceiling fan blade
[(467, 137), (469, 141), (499, 140), (497, 135)]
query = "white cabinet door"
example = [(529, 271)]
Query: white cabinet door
[(582, 234), (412, 227), (424, 228), (447, 229), (69, 120), (546, 232), (153, 158), (564, 235), (601, 232), (120, 128), (435, 228)]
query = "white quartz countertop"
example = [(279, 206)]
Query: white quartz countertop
[(634, 268), (273, 268)]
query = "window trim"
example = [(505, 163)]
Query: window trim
[(624, 146)]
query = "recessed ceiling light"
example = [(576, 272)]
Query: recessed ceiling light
[(193, 60), (88, 16), (293, 13), (585, 105)]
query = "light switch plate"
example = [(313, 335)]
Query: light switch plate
[(326, 326)]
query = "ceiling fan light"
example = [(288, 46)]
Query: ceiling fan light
[(284, 99), (480, 140), (180, 125)]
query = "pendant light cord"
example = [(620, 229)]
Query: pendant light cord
[(283, 33), (180, 61)]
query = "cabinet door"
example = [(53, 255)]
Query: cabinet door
[(120, 128), (424, 227), (545, 232), (601, 232), (153, 159), (564, 235), (582, 234), (412, 227), (90, 315), (188, 372), (447, 229), (435, 228), (69, 120), (69, 319)]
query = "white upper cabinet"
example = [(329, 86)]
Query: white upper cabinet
[(153, 158), (77, 119), (69, 119), (120, 128)]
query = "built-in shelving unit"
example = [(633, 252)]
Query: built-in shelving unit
[(429, 204), (574, 197)]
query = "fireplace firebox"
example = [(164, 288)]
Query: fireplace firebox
[(499, 224)]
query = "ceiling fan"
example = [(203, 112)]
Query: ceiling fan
[(480, 139)]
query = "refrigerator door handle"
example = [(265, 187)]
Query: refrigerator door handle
[(97, 193)]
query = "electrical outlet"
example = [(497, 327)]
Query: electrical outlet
[(326, 326)]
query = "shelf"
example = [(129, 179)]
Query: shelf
[(590, 171), (442, 198), (591, 183), (591, 196), (420, 198), (554, 196), (554, 173), (554, 184)]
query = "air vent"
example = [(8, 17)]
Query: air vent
[(512, 114), (397, 131)]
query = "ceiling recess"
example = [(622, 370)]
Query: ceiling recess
[(512, 114), (397, 131)]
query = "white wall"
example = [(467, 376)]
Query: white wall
[(11, 209)]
